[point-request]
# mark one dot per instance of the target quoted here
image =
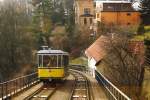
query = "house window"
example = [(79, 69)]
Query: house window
[(85, 21), (86, 10), (128, 14), (91, 20)]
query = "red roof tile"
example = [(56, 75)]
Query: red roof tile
[(97, 49)]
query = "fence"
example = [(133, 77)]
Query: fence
[(9, 88), (78, 67), (112, 91)]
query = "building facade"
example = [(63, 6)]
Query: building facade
[(110, 12), (117, 13), (84, 13)]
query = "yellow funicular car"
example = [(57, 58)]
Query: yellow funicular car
[(52, 64)]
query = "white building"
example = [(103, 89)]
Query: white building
[(95, 53)]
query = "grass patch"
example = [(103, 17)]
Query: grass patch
[(79, 60), (143, 36), (147, 28), (147, 32), (138, 38), (58, 30), (147, 35), (146, 84)]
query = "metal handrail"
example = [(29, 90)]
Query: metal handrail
[(112, 91), (18, 78), (11, 87), (78, 67)]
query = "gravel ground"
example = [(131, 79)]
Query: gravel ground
[(64, 91), (97, 91)]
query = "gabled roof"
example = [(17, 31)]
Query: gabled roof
[(97, 49)]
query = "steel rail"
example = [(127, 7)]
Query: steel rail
[(73, 87), (81, 84), (111, 90), (37, 94)]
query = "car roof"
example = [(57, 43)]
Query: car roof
[(52, 52)]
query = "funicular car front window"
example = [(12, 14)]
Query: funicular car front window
[(53, 60), (49, 60)]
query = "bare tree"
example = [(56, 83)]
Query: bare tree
[(123, 67)]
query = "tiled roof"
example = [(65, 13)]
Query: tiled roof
[(97, 49)]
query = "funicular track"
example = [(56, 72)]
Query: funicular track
[(43, 93), (80, 90)]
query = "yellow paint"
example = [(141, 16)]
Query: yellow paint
[(54, 73)]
